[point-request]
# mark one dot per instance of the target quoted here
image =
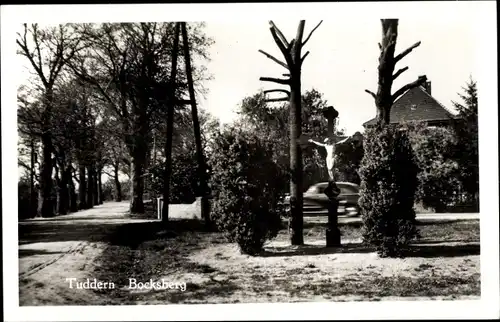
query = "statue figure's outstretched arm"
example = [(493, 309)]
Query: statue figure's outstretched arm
[(317, 143), (343, 141)]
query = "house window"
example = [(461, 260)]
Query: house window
[(413, 107)]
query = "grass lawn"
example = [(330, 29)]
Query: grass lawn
[(444, 264)]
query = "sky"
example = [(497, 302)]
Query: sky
[(342, 62)]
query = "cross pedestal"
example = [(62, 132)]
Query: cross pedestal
[(332, 230), (332, 191)]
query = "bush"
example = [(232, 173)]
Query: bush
[(388, 175), (439, 179), (184, 181), (247, 189)]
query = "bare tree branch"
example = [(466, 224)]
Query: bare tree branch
[(277, 90), (281, 99), (399, 72), (23, 164), (279, 33), (371, 93), (26, 52), (276, 80), (310, 34), (273, 59), (298, 37), (402, 90), (282, 47), (406, 52), (303, 58)]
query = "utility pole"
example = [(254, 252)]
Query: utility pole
[(180, 27), (170, 126), (202, 172)]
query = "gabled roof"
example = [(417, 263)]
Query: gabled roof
[(416, 105)]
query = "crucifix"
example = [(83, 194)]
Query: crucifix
[(332, 191), (330, 143)]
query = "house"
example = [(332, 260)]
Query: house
[(417, 104)]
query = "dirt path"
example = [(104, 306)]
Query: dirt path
[(43, 241), (53, 249)]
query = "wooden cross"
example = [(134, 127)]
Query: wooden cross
[(331, 114)]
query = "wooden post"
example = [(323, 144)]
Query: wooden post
[(202, 173), (170, 127), (332, 230)]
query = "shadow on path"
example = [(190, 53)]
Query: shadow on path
[(429, 251), (417, 250), (34, 252)]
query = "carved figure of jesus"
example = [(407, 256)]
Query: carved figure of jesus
[(330, 147)]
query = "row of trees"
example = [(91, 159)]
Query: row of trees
[(96, 105)]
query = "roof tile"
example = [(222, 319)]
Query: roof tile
[(416, 105)]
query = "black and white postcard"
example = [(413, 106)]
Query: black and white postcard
[(246, 161)]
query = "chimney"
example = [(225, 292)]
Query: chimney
[(427, 86)]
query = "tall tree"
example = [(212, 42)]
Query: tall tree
[(292, 52), (466, 129), (48, 50)]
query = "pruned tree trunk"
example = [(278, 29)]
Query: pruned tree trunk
[(296, 190), (384, 99), (292, 52)]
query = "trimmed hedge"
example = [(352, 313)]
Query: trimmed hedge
[(247, 189), (389, 182)]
